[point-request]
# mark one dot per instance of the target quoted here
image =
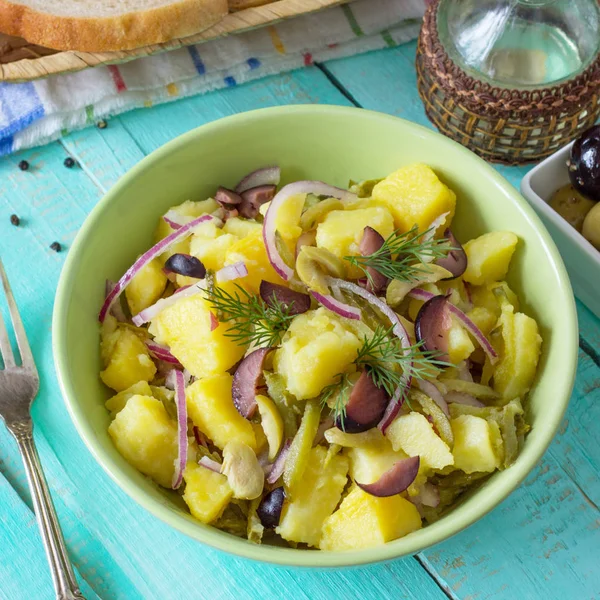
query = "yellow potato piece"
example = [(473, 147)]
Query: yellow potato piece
[(488, 256), (211, 409), (241, 227), (206, 493), (415, 196), (367, 465), (364, 521), (272, 424), (473, 445), (147, 438), (146, 287), (117, 402)]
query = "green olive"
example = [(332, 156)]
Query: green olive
[(312, 216), (314, 264), (591, 227), (571, 205)]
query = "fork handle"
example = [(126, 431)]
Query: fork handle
[(65, 584)]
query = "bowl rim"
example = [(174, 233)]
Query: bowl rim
[(429, 535)]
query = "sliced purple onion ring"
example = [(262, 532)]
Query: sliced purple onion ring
[(245, 382), (318, 188), (214, 322), (370, 243), (431, 390), (295, 303), (182, 441), (400, 332), (278, 466), (147, 257), (174, 220), (116, 309), (264, 176), (337, 306), (432, 326), (395, 480), (420, 294), (211, 464), (162, 353), (456, 260), (365, 406), (230, 272), (149, 313), (463, 398)]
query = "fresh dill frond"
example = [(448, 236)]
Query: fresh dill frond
[(404, 256), (252, 320), (389, 363), (336, 391)]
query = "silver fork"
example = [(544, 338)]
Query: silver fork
[(18, 388)]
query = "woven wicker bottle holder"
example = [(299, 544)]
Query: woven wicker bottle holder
[(510, 126)]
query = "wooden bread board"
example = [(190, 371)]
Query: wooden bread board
[(21, 61)]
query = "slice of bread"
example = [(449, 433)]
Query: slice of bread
[(105, 25)]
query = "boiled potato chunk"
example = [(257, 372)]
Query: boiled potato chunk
[(473, 445), (316, 347), (369, 464), (341, 230), (241, 227), (251, 250), (415, 196), (484, 319), (414, 434), (489, 256), (364, 521), (146, 287), (460, 346), (147, 438), (118, 401), (314, 498), (127, 362), (211, 409), (211, 251), (186, 328), (206, 493), (287, 220), (519, 355)]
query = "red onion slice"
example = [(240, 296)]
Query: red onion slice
[(278, 466), (214, 322), (420, 294), (245, 381), (174, 220), (200, 437), (365, 406), (162, 353), (307, 238), (182, 441), (149, 313), (370, 243), (295, 303), (463, 398), (318, 188), (211, 464), (147, 257), (264, 176), (430, 232), (336, 306), (116, 309), (399, 331), (432, 326), (230, 272), (395, 480), (431, 390), (456, 260)]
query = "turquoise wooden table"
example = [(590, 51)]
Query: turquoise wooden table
[(542, 542)]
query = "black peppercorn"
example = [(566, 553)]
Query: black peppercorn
[(14, 220), (102, 124), (69, 162), (23, 165), (56, 246)]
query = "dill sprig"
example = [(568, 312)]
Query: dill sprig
[(253, 321), (404, 256), (336, 390)]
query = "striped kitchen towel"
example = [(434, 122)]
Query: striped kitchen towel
[(38, 112)]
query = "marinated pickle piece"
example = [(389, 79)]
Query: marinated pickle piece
[(313, 265), (571, 205), (591, 227)]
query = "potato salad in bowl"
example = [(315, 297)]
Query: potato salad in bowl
[(319, 367)]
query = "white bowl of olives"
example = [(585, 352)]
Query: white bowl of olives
[(564, 189)]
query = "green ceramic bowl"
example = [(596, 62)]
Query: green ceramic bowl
[(333, 144)]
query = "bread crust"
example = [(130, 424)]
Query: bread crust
[(235, 5), (120, 32)]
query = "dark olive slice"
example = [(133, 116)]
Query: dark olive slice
[(295, 303), (228, 199), (395, 480), (432, 325), (584, 163), (254, 198), (370, 243), (184, 264), (269, 509), (456, 260), (245, 381)]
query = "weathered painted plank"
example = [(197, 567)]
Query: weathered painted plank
[(540, 542), (122, 551)]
